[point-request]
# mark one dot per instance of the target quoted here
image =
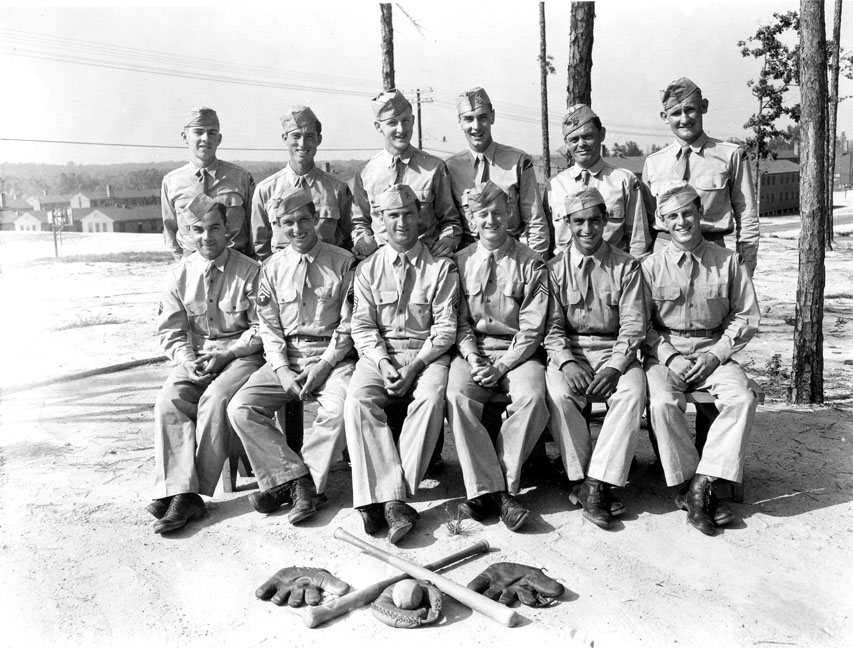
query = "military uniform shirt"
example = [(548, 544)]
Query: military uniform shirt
[(306, 296), (612, 306), (512, 170), (210, 305), (627, 226), (423, 310), (332, 200), (427, 177), (716, 294), (228, 183), (720, 173), (509, 301)]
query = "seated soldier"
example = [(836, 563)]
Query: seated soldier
[(499, 329), (403, 325), (304, 310), (208, 327), (702, 309), (596, 324)]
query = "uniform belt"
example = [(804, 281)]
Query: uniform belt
[(607, 336), (506, 338), (397, 344), (692, 332), (296, 339)]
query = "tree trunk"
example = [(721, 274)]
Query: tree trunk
[(387, 47), (579, 87), (832, 119), (543, 93), (807, 363)]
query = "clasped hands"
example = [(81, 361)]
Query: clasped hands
[(302, 385), (583, 382), (693, 367), (208, 366), (398, 382)]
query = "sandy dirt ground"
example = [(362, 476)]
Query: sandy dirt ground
[(81, 566)]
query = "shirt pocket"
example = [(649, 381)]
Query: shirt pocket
[(472, 288), (612, 297), (513, 290), (572, 297), (420, 309), (234, 309), (616, 213), (711, 185), (234, 209), (716, 291), (328, 307)]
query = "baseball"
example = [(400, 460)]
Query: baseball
[(407, 594)]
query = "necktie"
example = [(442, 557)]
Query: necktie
[(399, 170), (488, 271), (482, 166), (208, 282), (299, 182), (683, 167), (688, 266), (585, 178), (402, 268), (202, 179), (584, 279)]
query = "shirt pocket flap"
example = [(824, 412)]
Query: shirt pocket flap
[(574, 296), (514, 289), (473, 287), (424, 196), (196, 307), (235, 303), (325, 293), (386, 296), (419, 296), (288, 295), (327, 210), (717, 291), (711, 182), (665, 293), (612, 298), (231, 199)]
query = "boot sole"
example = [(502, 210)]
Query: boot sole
[(520, 523), (178, 525), (399, 532), (721, 521)]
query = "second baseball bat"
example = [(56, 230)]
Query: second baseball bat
[(472, 599), (316, 615)]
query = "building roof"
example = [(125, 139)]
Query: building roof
[(143, 212), (778, 166), (52, 199), (40, 216), (118, 194)]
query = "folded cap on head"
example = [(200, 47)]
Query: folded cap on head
[(678, 91), (389, 104), (198, 207), (577, 116), (674, 196), (289, 200), (202, 117), (589, 197), (396, 197), (483, 195), (297, 117), (472, 99)]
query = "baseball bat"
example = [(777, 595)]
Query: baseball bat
[(477, 602), (316, 615)]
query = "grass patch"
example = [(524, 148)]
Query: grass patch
[(88, 319), (117, 257)]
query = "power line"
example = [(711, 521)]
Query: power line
[(165, 146)]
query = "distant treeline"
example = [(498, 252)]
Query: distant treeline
[(23, 180)]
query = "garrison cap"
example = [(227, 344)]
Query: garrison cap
[(589, 197), (472, 99), (675, 196), (297, 117), (289, 200), (577, 116), (396, 196), (198, 207), (202, 117), (389, 104), (482, 195), (678, 91)]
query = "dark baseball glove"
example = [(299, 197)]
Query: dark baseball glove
[(427, 611), (505, 581), (295, 586)]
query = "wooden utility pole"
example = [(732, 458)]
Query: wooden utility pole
[(418, 120), (579, 86), (387, 47), (807, 362), (543, 90), (832, 120)]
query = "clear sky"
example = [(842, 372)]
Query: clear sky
[(128, 74)]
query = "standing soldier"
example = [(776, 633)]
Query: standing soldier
[(507, 167), (227, 183), (403, 325), (626, 226), (702, 310), (500, 326), (209, 328), (596, 324), (718, 171), (401, 163), (302, 133), (304, 309)]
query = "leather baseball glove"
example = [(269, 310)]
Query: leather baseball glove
[(427, 611), (504, 581), (295, 586)]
